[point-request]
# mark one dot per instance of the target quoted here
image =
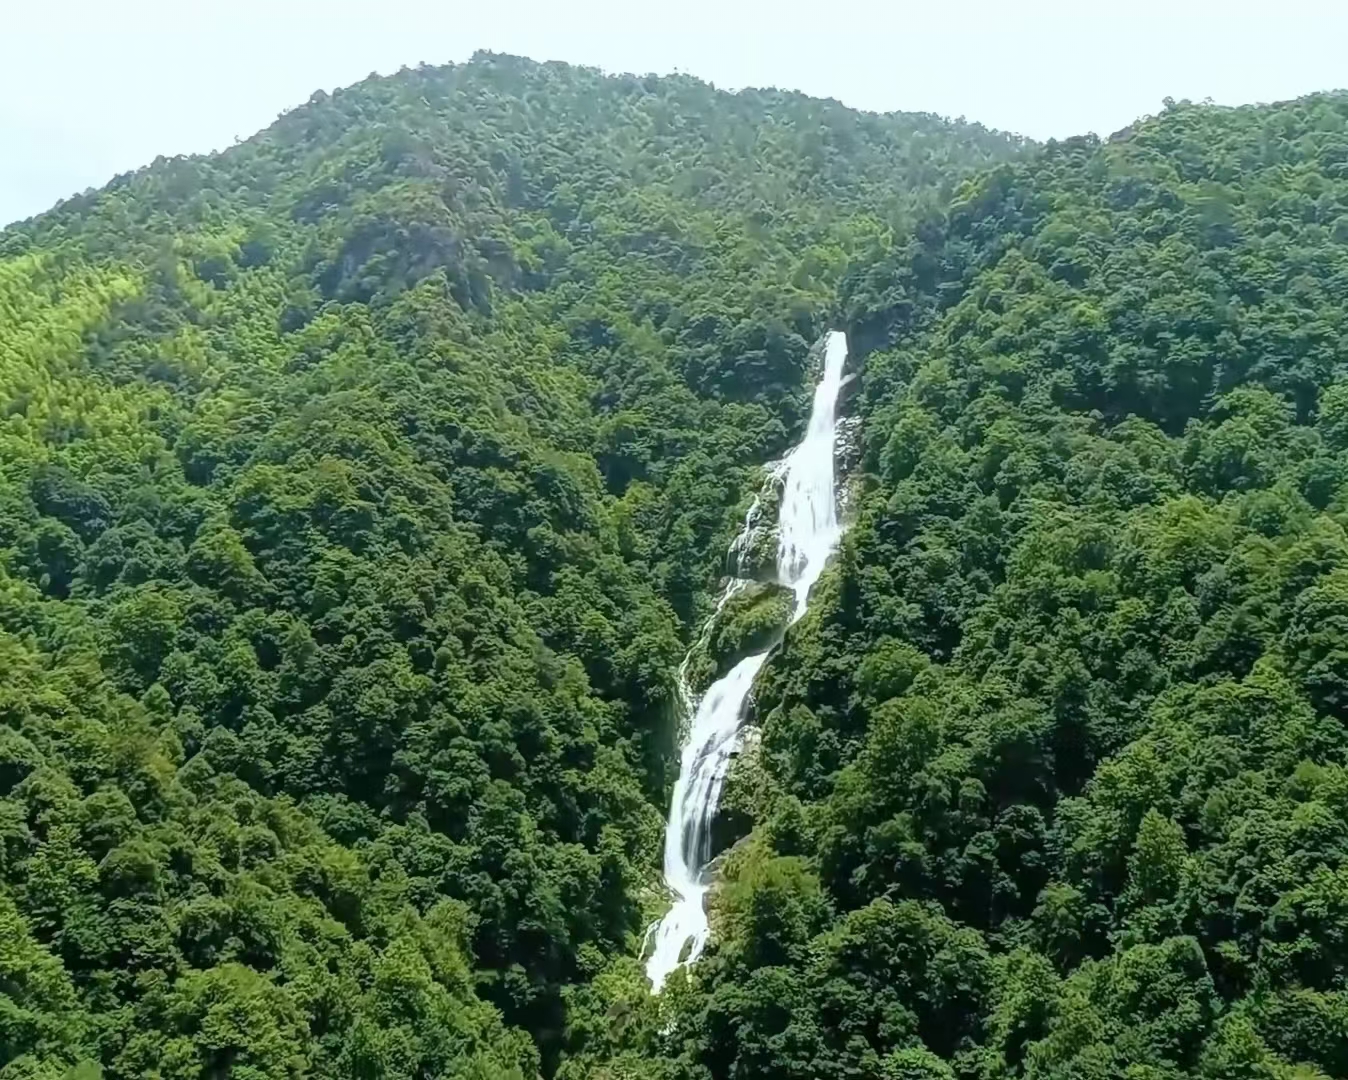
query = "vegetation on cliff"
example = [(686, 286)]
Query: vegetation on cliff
[(359, 487), (362, 487), (1057, 764)]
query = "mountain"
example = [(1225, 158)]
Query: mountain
[(360, 487), (1051, 782)]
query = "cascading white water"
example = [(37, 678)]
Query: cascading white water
[(808, 531)]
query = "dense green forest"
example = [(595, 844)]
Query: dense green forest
[(359, 488), (1053, 780), (362, 486)]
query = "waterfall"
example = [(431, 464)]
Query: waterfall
[(808, 531)]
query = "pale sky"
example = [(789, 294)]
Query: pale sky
[(91, 88)]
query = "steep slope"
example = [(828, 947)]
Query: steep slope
[(357, 486), (1053, 781)]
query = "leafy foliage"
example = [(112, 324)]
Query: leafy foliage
[(1055, 767), (362, 486), (359, 487)]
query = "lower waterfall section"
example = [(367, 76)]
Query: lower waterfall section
[(808, 531)]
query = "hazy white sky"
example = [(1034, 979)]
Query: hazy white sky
[(90, 88)]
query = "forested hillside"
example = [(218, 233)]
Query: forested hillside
[(359, 489), (362, 487), (1053, 780)]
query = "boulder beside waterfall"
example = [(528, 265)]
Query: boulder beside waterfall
[(745, 794), (752, 621)]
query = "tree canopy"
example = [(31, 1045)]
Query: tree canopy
[(363, 486), (359, 489), (1050, 782)]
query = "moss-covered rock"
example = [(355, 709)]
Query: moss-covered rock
[(754, 556), (752, 620), (745, 796), (758, 559)]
